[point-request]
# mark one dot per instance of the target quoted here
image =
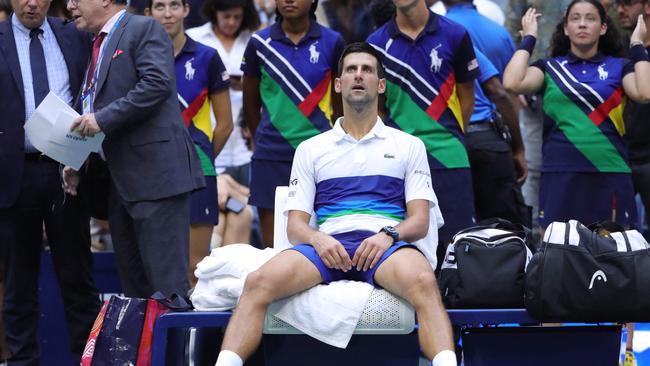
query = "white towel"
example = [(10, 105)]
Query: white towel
[(217, 294), (235, 260), (329, 313), (222, 274), (227, 286)]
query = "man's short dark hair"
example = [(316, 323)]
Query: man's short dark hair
[(362, 47), (120, 2)]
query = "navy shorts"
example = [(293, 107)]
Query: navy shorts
[(351, 242), (265, 176), (586, 197), (455, 194), (204, 207)]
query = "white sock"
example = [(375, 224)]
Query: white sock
[(444, 358), (229, 358)]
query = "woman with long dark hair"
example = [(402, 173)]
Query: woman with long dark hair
[(289, 70), (585, 173)]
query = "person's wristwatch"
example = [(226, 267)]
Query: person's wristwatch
[(390, 231)]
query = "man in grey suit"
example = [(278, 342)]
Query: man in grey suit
[(131, 97)]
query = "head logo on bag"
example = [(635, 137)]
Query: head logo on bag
[(581, 273), (598, 275)]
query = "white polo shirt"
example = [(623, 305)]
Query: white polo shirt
[(359, 185)]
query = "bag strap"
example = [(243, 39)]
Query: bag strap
[(175, 302), (627, 241), (517, 229), (503, 224), (610, 226), (567, 232)]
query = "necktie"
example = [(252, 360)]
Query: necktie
[(39, 70), (97, 43)]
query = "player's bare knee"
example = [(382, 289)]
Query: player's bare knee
[(258, 287), (422, 288)]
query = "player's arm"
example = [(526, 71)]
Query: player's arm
[(414, 227)]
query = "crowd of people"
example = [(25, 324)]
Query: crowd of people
[(522, 109)]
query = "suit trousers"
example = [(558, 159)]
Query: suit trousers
[(151, 241), (496, 192), (42, 201)]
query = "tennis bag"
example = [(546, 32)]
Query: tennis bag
[(581, 276), (484, 267)]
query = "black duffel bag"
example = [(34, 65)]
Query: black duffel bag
[(581, 276), (484, 267)]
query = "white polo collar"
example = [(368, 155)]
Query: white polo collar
[(378, 130)]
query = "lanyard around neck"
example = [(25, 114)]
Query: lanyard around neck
[(105, 42)]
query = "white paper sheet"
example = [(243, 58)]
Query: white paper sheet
[(48, 129)]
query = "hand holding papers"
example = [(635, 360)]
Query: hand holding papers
[(86, 125), (48, 129), (62, 135)]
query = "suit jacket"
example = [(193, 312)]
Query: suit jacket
[(148, 149), (75, 47)]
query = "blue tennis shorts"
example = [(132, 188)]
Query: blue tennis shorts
[(351, 242), (265, 176), (586, 197), (204, 207)]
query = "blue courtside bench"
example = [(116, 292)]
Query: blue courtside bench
[(484, 343)]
